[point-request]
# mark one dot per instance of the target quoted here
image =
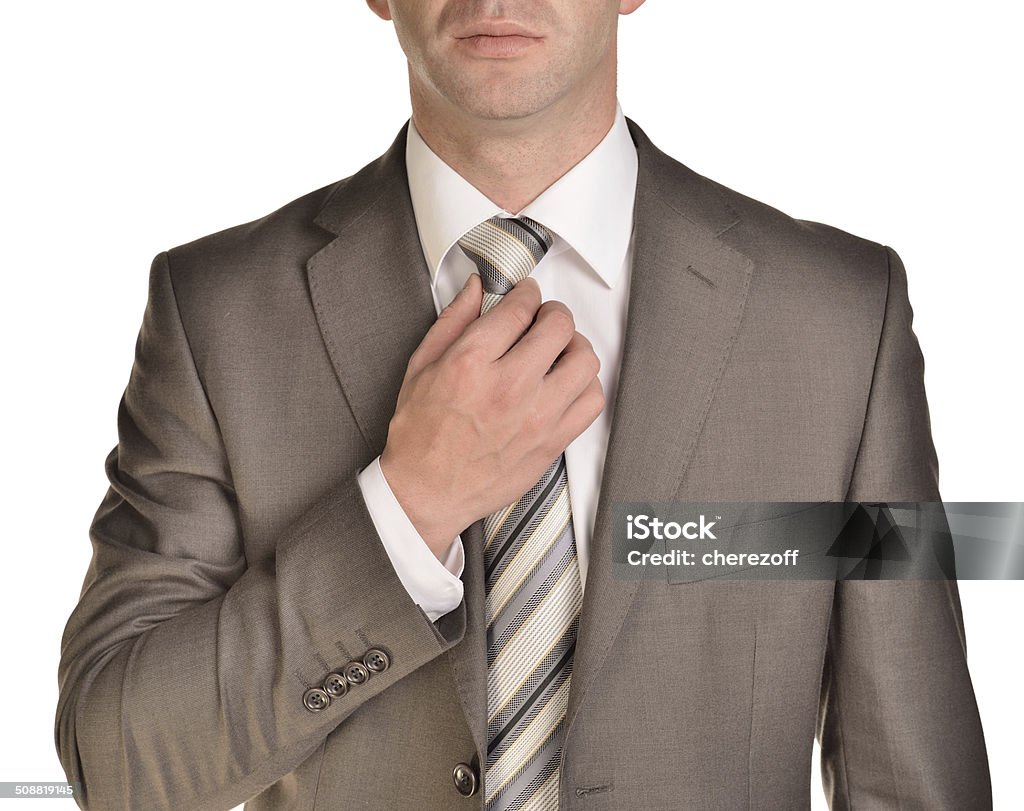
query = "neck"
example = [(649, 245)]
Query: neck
[(512, 161)]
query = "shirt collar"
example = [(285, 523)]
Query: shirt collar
[(589, 208)]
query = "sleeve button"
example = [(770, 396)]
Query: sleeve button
[(335, 685), (315, 699), (376, 660), (356, 673)]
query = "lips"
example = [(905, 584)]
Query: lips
[(498, 47), (497, 39), (496, 29)]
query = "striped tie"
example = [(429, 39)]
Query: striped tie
[(534, 593)]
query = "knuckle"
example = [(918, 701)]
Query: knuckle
[(521, 314), (462, 359), (559, 312), (591, 400), (415, 361), (584, 364), (563, 320), (530, 287)]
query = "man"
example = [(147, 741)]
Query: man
[(356, 548)]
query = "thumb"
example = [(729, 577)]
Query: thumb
[(451, 322)]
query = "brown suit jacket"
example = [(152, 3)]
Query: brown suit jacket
[(235, 564)]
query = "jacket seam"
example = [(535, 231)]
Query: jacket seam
[(834, 683), (874, 372), (195, 367)]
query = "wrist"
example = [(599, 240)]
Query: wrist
[(420, 507)]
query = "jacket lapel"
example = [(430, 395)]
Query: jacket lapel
[(371, 293), (371, 289), (686, 299)]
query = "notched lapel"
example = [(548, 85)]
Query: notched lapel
[(687, 295), (370, 289)]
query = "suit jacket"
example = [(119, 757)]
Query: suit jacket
[(235, 564)]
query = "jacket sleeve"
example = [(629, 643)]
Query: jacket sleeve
[(898, 722), (183, 667)]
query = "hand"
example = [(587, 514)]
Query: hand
[(486, 405)]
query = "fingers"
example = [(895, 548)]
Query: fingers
[(575, 369), (582, 412), (571, 396), (537, 350), (451, 323), (494, 332)]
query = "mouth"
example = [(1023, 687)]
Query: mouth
[(496, 29), (502, 39)]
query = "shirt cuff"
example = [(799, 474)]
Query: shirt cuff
[(434, 586)]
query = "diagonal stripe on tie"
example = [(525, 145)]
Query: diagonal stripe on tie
[(509, 622), (540, 632), (524, 517), (529, 560), (531, 570), (534, 738), (526, 702)]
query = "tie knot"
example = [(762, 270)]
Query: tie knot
[(505, 250)]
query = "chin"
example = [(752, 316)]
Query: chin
[(502, 100), (501, 109)]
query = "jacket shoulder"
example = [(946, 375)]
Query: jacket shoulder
[(818, 252), (279, 234), (255, 271), (297, 229), (815, 272), (770, 236)]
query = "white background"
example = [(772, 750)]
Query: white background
[(133, 127)]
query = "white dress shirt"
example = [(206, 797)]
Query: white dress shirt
[(589, 210)]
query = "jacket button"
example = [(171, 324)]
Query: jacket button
[(315, 699), (376, 660), (335, 685), (465, 779), (356, 673)]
